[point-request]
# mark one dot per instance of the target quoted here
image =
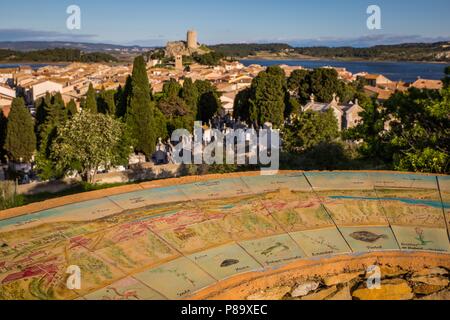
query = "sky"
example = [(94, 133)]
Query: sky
[(297, 22)]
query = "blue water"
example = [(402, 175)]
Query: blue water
[(396, 71), (429, 203), (33, 66)]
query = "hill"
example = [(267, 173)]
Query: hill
[(55, 55), (438, 52), (83, 46)]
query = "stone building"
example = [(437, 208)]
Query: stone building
[(192, 39), (347, 115), (184, 48)]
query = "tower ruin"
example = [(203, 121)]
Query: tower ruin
[(192, 39)]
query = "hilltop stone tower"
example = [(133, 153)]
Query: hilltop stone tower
[(192, 39), (179, 62)]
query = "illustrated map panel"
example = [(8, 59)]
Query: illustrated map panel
[(226, 261), (321, 242), (168, 243), (369, 239), (274, 251), (410, 200)]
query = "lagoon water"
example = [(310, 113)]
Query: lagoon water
[(396, 71), (405, 71), (34, 66)]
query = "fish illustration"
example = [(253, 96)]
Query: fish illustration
[(229, 262), (367, 236), (277, 248)]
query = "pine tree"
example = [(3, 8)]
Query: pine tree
[(106, 103), (71, 108), (189, 94), (209, 103), (123, 96), (20, 136), (171, 89), (140, 116), (268, 99), (91, 100), (3, 128), (52, 114)]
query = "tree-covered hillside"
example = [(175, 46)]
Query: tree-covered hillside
[(55, 55), (439, 51)]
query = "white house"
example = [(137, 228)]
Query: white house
[(39, 89), (347, 115), (6, 95)]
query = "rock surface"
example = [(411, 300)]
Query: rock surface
[(429, 272), (433, 280), (425, 289), (342, 295), (322, 294), (388, 271), (397, 289), (443, 295), (271, 294), (305, 288), (341, 278)]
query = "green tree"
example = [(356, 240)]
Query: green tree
[(140, 116), (122, 98), (171, 89), (371, 132), (106, 103), (298, 84), (309, 129), (268, 99), (177, 113), (54, 113), (446, 80), (324, 83), (3, 128), (418, 135), (190, 95), (241, 108), (91, 100), (209, 103), (71, 108), (208, 106), (88, 141), (20, 142)]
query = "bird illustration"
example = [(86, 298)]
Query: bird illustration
[(126, 295)]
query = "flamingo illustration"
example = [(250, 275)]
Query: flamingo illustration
[(126, 295)]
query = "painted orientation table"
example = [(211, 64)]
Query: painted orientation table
[(171, 242)]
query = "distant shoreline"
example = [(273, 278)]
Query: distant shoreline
[(307, 58)]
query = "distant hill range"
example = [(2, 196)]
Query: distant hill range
[(431, 52), (427, 52), (436, 52), (83, 46)]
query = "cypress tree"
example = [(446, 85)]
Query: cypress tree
[(91, 100), (141, 110), (56, 115), (106, 103), (268, 98), (123, 96), (71, 108), (189, 94), (171, 89), (3, 127), (20, 141)]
